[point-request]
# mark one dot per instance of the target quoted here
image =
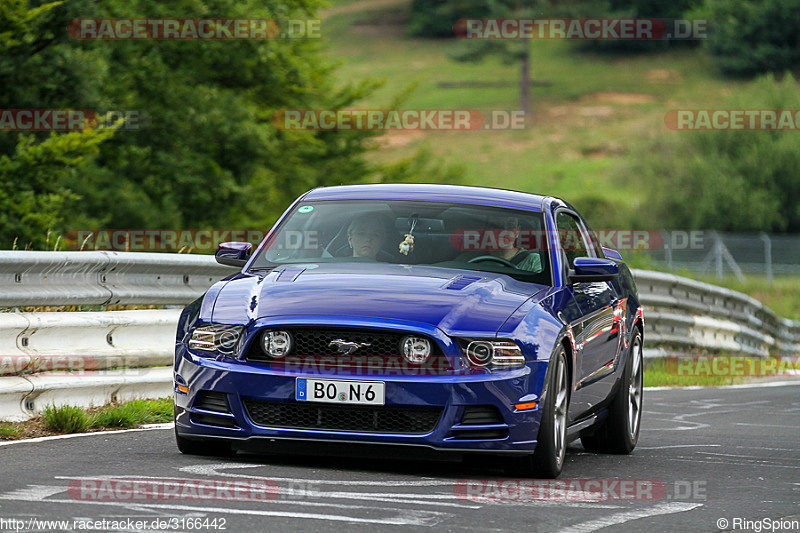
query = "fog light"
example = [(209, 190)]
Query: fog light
[(416, 350), (276, 344)]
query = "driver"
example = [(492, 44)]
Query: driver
[(366, 235)]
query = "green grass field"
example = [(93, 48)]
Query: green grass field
[(597, 110)]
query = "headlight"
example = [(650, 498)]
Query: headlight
[(494, 353), (416, 350), (276, 344), (220, 338)]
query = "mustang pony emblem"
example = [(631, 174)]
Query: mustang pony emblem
[(346, 347)]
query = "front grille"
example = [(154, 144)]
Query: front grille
[(316, 342), (408, 420), (384, 351)]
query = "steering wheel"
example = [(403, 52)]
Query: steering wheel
[(500, 260)]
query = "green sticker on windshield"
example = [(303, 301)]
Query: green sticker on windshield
[(306, 209)]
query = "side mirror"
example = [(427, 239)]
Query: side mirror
[(589, 269), (233, 253)]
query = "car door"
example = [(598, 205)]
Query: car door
[(596, 336)]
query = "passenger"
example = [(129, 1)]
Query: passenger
[(504, 243), (508, 232)]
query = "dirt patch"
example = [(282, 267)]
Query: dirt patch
[(617, 98), (399, 138), (361, 6), (662, 75)]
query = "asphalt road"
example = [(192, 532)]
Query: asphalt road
[(711, 454)]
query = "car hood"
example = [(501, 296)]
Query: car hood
[(455, 301)]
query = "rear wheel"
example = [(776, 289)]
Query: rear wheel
[(551, 443), (619, 433)]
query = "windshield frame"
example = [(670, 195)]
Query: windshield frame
[(258, 262)]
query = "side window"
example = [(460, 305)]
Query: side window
[(569, 235), (594, 241)]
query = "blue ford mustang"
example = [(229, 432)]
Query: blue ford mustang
[(454, 318)]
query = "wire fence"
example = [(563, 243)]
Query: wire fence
[(719, 254)]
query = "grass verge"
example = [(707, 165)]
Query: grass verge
[(65, 419), (716, 370)]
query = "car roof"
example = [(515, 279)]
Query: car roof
[(430, 192)]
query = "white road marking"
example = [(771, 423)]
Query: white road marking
[(758, 459), (35, 492), (148, 427), (765, 425), (406, 517), (437, 499), (677, 446), (214, 470), (731, 463), (628, 516)]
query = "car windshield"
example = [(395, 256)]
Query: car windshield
[(439, 234)]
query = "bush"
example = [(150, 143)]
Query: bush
[(754, 36), (726, 180), (627, 9), (65, 419), (435, 18)]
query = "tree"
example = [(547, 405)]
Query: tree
[(726, 180), (207, 154), (510, 51), (36, 167), (754, 36)]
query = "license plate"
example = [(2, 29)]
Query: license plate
[(339, 391)]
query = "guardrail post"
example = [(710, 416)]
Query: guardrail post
[(767, 256), (666, 237)]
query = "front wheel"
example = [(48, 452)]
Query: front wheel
[(619, 433), (551, 443)]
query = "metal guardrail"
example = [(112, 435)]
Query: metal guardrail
[(91, 358), (104, 278), (693, 314)]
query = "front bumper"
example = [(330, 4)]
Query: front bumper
[(241, 381)]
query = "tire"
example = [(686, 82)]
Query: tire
[(214, 448), (547, 460), (619, 433)]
